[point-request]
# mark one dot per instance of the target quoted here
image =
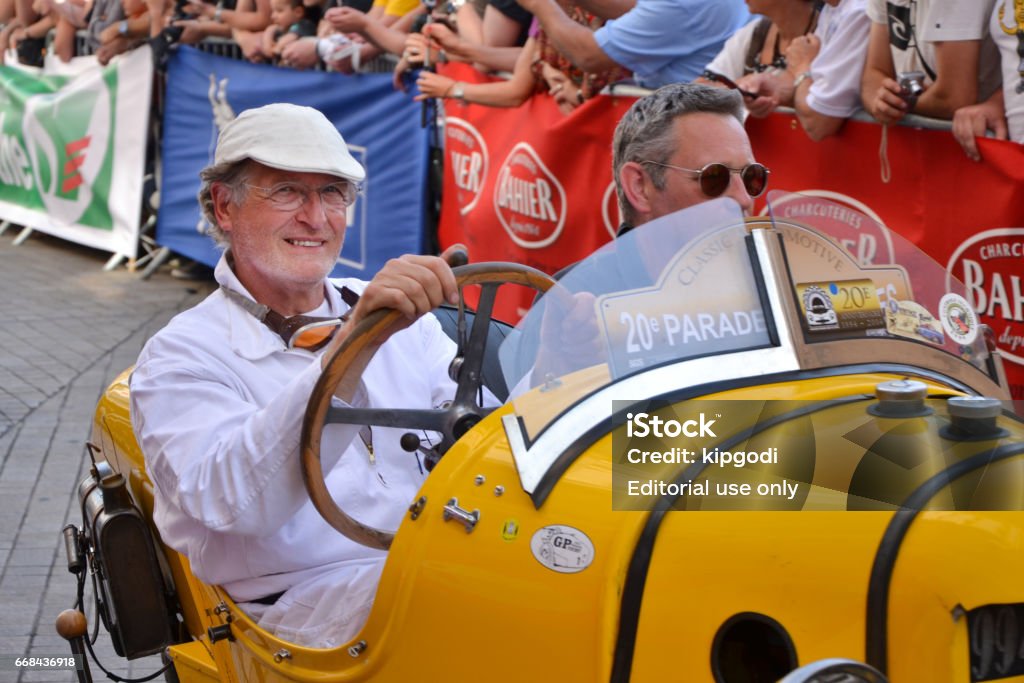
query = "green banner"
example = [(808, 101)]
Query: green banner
[(72, 145)]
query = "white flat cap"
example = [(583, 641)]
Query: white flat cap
[(288, 137)]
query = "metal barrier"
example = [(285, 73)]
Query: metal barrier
[(82, 47), (910, 120), (224, 47)]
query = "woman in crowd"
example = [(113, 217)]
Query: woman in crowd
[(820, 73), (761, 45), (539, 67)]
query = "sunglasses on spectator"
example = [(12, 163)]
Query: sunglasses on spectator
[(714, 178), (288, 196)]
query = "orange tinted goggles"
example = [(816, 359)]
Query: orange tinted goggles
[(305, 331), (299, 331)]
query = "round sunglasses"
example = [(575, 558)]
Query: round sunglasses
[(714, 177)]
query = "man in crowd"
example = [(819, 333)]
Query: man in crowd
[(1003, 113), (682, 145), (660, 41), (218, 396), (945, 46)]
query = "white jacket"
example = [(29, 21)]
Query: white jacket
[(217, 403)]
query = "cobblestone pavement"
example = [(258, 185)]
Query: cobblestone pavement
[(66, 330)]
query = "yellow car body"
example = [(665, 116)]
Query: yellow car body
[(693, 594)]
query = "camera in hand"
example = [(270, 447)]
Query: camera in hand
[(171, 34), (911, 86)]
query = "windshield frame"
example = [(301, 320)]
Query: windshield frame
[(557, 444)]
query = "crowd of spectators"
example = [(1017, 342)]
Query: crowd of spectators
[(825, 59)]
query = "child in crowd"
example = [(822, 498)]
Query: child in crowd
[(288, 22)]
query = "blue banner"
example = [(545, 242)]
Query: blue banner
[(380, 125)]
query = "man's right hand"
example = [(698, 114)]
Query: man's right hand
[(412, 284)]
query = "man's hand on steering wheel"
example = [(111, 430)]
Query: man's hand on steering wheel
[(411, 284)]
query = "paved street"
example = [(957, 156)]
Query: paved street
[(66, 329)]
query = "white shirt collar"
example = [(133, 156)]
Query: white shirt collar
[(247, 336)]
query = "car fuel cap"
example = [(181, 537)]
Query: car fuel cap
[(973, 418), (900, 398)]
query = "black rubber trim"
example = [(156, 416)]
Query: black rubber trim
[(791, 284), (636, 575), (588, 438), (769, 319), (762, 293), (876, 636), (530, 442)]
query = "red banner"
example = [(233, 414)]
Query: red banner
[(967, 216), (532, 186), (528, 185)]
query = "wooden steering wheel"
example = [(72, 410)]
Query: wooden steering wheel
[(451, 421)]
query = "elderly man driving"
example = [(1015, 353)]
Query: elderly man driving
[(218, 395)]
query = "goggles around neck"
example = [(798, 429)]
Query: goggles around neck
[(307, 332)]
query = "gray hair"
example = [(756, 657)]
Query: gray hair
[(233, 174), (645, 131)]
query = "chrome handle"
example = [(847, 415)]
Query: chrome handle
[(468, 519)]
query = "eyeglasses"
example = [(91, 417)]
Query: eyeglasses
[(289, 196), (714, 177)]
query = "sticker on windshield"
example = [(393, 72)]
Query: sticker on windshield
[(912, 320), (841, 305), (958, 319), (562, 548)]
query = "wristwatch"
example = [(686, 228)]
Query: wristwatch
[(122, 28), (459, 91)]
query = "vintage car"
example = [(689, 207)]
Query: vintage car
[(751, 466)]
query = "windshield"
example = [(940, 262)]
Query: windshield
[(691, 285), (682, 286)]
